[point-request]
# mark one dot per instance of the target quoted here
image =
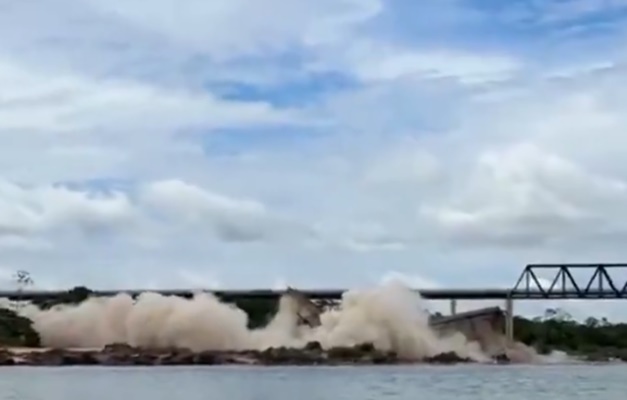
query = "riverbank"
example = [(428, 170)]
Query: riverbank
[(312, 354), (124, 355), (553, 338)]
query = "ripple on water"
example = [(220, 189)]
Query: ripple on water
[(464, 382)]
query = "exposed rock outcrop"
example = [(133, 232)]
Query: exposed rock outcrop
[(122, 354)]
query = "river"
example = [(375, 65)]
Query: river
[(467, 382)]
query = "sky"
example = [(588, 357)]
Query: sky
[(240, 144)]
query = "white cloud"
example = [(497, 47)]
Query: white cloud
[(378, 62), (555, 12), (407, 164), (17, 242), (268, 27), (192, 279), (413, 281), (81, 127), (367, 237), (26, 211), (522, 195), (279, 284), (33, 100), (229, 218), (7, 278), (421, 139)]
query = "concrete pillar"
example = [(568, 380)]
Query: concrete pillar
[(453, 306), (509, 320)]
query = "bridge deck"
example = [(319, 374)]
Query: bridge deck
[(433, 294), (600, 286), (447, 319)]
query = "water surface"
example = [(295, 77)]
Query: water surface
[(468, 382)]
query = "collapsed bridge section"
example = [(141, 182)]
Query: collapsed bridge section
[(484, 326)]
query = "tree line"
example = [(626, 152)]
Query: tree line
[(557, 330)]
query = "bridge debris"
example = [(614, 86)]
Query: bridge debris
[(307, 311), (484, 326)]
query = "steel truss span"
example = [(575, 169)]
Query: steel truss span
[(537, 282), (559, 281)]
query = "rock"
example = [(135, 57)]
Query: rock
[(597, 357), (622, 355), (120, 354), (501, 358), (119, 348), (49, 358), (116, 354), (58, 357), (389, 357), (364, 353), (206, 358), (82, 358), (288, 356), (6, 358), (144, 359), (365, 348), (178, 357), (449, 357), (342, 353), (313, 346)]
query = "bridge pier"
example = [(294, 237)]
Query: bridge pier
[(453, 306), (509, 320)]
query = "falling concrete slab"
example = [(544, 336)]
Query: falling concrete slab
[(307, 311)]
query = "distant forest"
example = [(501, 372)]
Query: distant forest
[(557, 330)]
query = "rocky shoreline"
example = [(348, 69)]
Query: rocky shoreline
[(124, 355)]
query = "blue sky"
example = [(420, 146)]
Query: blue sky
[(332, 143)]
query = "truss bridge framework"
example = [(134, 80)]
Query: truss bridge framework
[(536, 282), (565, 281)]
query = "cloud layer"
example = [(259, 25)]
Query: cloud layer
[(334, 143)]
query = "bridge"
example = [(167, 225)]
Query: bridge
[(531, 285)]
